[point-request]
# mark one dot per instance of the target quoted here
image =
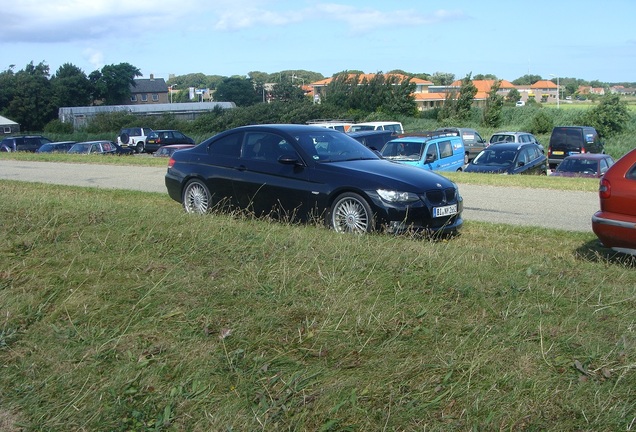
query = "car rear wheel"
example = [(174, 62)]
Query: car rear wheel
[(196, 197), (350, 213), (124, 138)]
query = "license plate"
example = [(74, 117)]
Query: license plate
[(560, 153), (445, 211)]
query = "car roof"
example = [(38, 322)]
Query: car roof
[(509, 146), (426, 138), (371, 132), (287, 128), (591, 156), (377, 123)]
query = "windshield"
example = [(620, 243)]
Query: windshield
[(402, 150), (578, 166), (495, 157), (500, 138), (333, 146)]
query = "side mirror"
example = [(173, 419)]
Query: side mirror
[(289, 159)]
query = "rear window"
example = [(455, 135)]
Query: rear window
[(567, 137)]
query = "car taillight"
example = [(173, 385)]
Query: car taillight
[(549, 151), (604, 189), (583, 150), (171, 163)]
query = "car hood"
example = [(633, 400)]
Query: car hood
[(493, 169), (383, 173)]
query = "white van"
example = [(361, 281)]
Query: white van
[(342, 126), (379, 125)]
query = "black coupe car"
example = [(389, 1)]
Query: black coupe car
[(300, 172)]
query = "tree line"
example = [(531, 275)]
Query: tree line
[(32, 96)]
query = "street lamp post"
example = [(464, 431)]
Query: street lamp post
[(558, 88), (171, 87)]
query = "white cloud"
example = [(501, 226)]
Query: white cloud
[(94, 57)]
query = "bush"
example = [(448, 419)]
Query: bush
[(541, 123), (58, 127)]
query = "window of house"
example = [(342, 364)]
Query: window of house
[(133, 98), (144, 98), (155, 97)]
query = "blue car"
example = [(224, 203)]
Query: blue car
[(433, 151)]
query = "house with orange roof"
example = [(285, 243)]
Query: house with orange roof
[(483, 89), (423, 99)]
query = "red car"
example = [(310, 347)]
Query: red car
[(615, 223), (584, 165)]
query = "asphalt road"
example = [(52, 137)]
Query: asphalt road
[(566, 210)]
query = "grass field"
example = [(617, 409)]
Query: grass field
[(120, 312)]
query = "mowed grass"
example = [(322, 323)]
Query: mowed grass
[(120, 312)]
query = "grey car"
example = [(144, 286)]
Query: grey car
[(513, 137), (473, 142)]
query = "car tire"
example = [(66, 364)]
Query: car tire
[(351, 213), (139, 148), (124, 138), (466, 159), (196, 197)]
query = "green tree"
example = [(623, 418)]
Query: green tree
[(286, 91), (610, 117), (71, 87), (241, 91), (113, 82), (32, 103), (494, 104), (485, 77), (541, 123), (464, 103), (527, 80), (442, 78), (513, 96), (7, 88)]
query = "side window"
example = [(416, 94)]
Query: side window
[(431, 153), (229, 146), (264, 146), (178, 135), (631, 174), (445, 149)]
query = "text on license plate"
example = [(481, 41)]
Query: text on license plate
[(445, 211)]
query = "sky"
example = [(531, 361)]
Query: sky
[(585, 39)]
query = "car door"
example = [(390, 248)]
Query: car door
[(220, 168), (430, 156), (265, 184)]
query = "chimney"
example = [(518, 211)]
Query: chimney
[(152, 77)]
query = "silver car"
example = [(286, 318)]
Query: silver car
[(513, 137)]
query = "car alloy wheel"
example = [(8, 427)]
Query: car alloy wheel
[(351, 214), (196, 197)]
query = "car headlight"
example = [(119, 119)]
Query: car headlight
[(397, 196)]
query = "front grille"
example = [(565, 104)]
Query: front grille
[(440, 196)]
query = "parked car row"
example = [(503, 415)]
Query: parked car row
[(146, 140), (129, 141)]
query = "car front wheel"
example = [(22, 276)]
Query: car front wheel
[(139, 148), (196, 197), (350, 213)]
